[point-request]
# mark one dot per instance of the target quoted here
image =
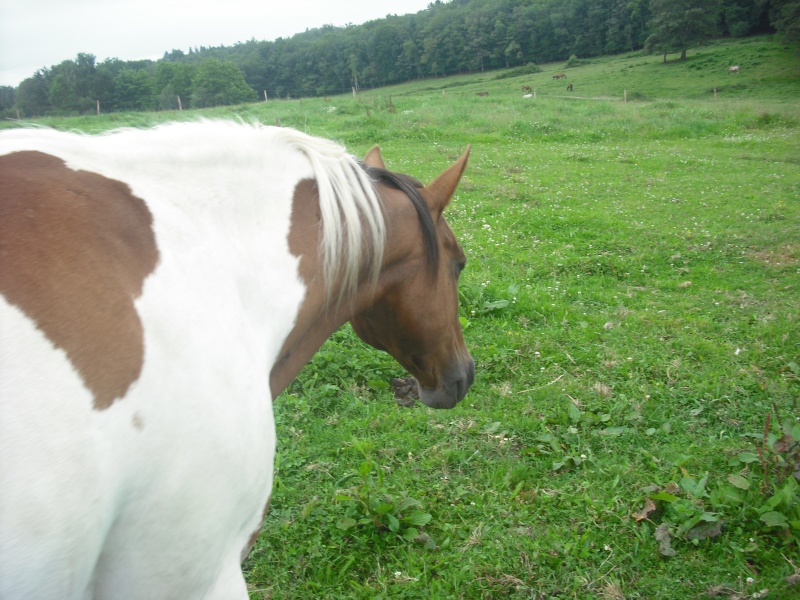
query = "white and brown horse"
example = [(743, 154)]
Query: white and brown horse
[(158, 289)]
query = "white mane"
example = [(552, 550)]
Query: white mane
[(352, 219)]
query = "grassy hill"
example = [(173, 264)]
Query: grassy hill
[(769, 70), (631, 301)]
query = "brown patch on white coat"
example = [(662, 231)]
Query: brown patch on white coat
[(76, 248)]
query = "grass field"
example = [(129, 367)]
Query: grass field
[(632, 301)]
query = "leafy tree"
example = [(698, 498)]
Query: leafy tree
[(174, 79), (174, 55), (32, 94), (384, 47), (167, 99), (679, 24), (104, 86), (8, 109), (7, 99), (621, 23), (72, 85), (408, 61), (513, 53), (741, 17), (636, 20), (61, 93), (785, 17), (133, 90), (587, 23), (562, 36), (85, 76), (219, 83), (477, 42)]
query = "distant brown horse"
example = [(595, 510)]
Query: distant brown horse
[(482, 94), (526, 88), (569, 87), (560, 76), (733, 69)]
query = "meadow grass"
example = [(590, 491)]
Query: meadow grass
[(632, 301)]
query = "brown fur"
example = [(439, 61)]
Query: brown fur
[(75, 249)]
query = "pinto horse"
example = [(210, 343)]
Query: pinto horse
[(159, 288)]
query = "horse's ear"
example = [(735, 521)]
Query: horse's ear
[(438, 193), (374, 158)]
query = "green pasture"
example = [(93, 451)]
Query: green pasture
[(632, 301)]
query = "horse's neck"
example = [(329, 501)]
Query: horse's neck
[(322, 312)]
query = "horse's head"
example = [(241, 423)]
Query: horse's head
[(414, 312)]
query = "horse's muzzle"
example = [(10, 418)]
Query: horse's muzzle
[(454, 386)]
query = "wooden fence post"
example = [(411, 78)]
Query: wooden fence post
[(180, 106), (265, 96), (98, 107)]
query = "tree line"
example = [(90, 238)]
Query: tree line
[(447, 38)]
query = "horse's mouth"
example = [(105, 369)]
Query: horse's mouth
[(452, 390)]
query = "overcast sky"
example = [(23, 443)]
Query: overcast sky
[(43, 33)]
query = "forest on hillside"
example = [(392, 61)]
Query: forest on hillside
[(459, 36)]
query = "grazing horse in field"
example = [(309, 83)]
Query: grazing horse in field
[(482, 94), (526, 88), (569, 87), (158, 289), (733, 69), (560, 76)]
